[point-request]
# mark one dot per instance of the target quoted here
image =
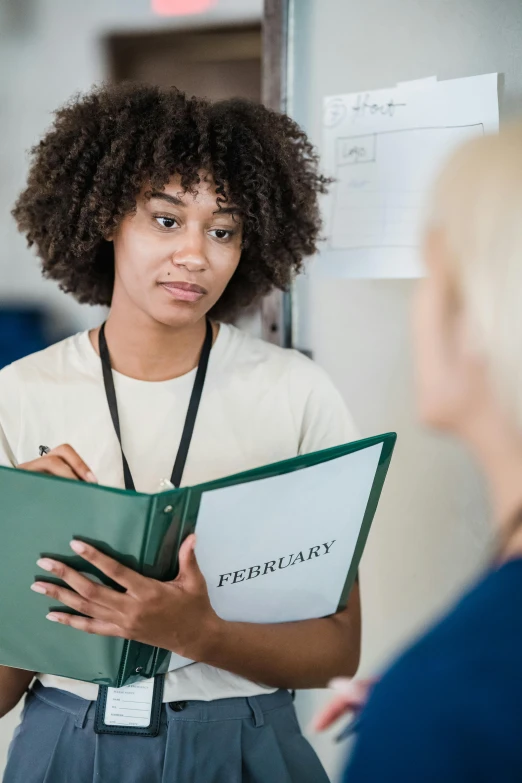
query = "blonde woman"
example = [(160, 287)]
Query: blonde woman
[(450, 709)]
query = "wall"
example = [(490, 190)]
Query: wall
[(431, 531), (50, 49)]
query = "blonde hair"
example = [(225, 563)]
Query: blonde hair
[(477, 204)]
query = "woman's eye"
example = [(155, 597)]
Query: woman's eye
[(165, 222), (222, 233)]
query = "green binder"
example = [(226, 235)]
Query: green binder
[(39, 516)]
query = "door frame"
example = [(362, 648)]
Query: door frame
[(276, 308)]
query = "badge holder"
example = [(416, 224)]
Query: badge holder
[(133, 710)]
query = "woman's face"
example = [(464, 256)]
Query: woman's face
[(449, 379), (176, 254)]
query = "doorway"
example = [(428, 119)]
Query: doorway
[(216, 63)]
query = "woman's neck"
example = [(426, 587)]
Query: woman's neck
[(146, 350)]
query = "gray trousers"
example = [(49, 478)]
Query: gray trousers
[(253, 740)]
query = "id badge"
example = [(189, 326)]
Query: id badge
[(134, 709)]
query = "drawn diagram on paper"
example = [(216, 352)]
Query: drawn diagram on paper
[(378, 204), (383, 150)]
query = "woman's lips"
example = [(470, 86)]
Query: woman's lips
[(184, 292)]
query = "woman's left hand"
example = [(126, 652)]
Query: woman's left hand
[(176, 615)]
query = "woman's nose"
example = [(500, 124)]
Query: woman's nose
[(190, 252)]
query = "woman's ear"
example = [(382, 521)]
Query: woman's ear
[(458, 333), (442, 267), (434, 249), (109, 234)]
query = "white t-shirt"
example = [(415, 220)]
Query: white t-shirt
[(260, 404)]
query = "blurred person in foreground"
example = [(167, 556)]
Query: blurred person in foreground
[(450, 709)]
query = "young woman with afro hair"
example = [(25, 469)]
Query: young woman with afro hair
[(176, 214)]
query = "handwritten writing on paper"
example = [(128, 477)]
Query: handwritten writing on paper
[(383, 149), (381, 205)]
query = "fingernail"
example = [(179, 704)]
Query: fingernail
[(38, 588), (78, 547), (45, 564), (91, 478), (52, 618)]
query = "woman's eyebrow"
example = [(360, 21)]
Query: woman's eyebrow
[(157, 194), (177, 202), (228, 211)]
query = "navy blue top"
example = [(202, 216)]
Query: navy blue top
[(450, 709)]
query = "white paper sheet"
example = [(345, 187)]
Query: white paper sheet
[(384, 148), (270, 522), (130, 705)]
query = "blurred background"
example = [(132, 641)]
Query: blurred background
[(51, 49)]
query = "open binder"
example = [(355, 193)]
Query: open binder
[(279, 543)]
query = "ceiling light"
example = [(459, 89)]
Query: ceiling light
[(181, 7)]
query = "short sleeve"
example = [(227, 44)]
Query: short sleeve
[(326, 420), (9, 417)]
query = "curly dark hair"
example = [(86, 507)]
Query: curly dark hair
[(89, 168)]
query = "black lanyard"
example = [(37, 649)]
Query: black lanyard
[(192, 412)]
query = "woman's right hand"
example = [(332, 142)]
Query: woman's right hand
[(64, 462)]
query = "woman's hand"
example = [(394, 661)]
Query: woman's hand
[(176, 616), (62, 461), (351, 696)]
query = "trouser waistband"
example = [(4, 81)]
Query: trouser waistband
[(219, 709)]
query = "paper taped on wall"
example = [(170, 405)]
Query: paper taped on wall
[(383, 149)]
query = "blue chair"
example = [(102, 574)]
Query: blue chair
[(23, 330)]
